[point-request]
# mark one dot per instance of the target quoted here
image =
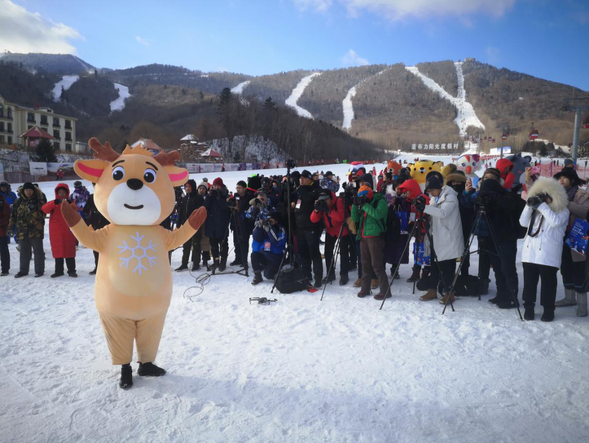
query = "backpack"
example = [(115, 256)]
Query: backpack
[(291, 279)]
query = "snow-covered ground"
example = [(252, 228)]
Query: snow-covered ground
[(296, 94), (336, 370), (465, 112), (119, 103), (348, 105), (66, 82)]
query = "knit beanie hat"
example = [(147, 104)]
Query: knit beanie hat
[(203, 185), (493, 171), (218, 181), (28, 185), (365, 191), (434, 182)]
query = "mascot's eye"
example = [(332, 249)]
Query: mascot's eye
[(430, 168), (149, 175), (118, 173), (463, 164)]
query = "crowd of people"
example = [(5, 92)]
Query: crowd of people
[(368, 219)]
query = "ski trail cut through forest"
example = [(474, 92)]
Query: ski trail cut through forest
[(296, 94), (466, 115), (119, 103), (66, 81), (347, 102), (240, 87)]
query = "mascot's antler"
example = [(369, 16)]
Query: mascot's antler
[(103, 152), (167, 158)]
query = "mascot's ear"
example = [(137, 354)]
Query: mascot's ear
[(90, 170), (178, 176)]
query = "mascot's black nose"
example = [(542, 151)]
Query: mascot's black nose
[(135, 184)]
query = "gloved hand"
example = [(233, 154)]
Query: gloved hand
[(57, 201), (420, 203), (535, 202)]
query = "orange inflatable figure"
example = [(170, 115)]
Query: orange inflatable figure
[(135, 192)]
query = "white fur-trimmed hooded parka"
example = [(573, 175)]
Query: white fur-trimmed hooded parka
[(543, 241)]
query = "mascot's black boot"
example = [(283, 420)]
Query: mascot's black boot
[(150, 370), (126, 376)]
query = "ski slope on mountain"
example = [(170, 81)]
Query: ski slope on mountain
[(300, 370), (240, 87), (63, 85), (297, 92), (348, 106), (119, 103), (466, 115)]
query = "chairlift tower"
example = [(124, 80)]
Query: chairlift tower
[(578, 104)]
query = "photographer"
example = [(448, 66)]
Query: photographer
[(29, 220), (63, 242), (308, 233), (572, 268), (269, 242), (369, 212), (446, 230), (501, 207), (240, 225), (546, 216), (4, 220), (331, 209), (189, 203), (217, 223)]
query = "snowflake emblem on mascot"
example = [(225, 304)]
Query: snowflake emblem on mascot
[(138, 252)]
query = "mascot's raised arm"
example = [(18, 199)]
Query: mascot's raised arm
[(135, 192)]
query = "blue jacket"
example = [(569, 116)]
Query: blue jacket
[(276, 236), (9, 195)]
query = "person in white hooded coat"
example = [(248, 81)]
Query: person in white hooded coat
[(448, 240), (546, 216)]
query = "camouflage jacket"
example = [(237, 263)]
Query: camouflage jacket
[(27, 216)]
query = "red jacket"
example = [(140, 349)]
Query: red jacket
[(63, 242), (4, 217), (333, 219)]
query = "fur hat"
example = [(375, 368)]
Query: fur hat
[(456, 176), (365, 191), (552, 188)]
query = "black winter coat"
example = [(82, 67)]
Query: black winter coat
[(501, 209), (93, 217), (217, 223), (304, 199), (189, 203), (239, 221)]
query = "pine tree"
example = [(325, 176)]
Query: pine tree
[(269, 103), (44, 152)]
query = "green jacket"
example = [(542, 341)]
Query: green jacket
[(27, 216), (375, 222)]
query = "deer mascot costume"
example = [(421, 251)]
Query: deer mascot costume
[(135, 192)]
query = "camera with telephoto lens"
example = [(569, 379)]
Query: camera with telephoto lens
[(420, 203), (360, 200), (321, 205), (231, 203), (483, 200), (537, 200), (290, 163)]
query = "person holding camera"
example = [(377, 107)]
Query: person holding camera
[(217, 223), (63, 242), (331, 210), (190, 202), (501, 207), (269, 242), (369, 212), (573, 264), (308, 233), (546, 217), (446, 230), (241, 226), (29, 220), (4, 220)]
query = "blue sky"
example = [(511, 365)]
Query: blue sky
[(547, 39)]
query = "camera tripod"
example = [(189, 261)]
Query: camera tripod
[(288, 251), (422, 226), (482, 214)]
